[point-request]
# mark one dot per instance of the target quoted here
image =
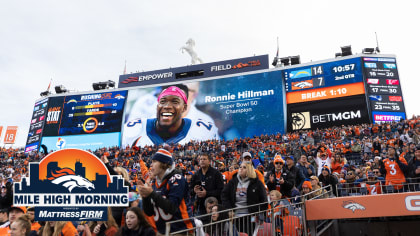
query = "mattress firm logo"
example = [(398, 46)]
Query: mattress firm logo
[(70, 185), (301, 120), (332, 117)]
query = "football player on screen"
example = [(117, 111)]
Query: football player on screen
[(168, 126)]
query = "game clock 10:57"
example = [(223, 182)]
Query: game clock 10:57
[(343, 68)]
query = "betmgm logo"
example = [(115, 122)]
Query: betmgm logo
[(301, 120)]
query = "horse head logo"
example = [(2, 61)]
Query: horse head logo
[(353, 206), (68, 179)]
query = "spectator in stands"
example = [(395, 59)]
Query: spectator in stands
[(62, 228), (317, 189), (21, 226), (135, 224), (279, 210), (14, 213), (323, 160), (4, 218), (414, 168), (279, 179), (327, 179), (222, 228), (247, 159), (34, 224), (294, 172), (305, 167), (207, 182), (243, 190), (169, 192), (394, 169), (338, 162), (356, 147), (6, 197), (372, 184), (410, 154)]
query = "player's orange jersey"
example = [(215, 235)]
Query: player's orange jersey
[(394, 175)]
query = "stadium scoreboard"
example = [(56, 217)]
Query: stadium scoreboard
[(343, 91)]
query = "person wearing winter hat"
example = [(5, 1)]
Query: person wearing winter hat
[(168, 193), (327, 179), (279, 179)]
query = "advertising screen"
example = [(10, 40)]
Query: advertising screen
[(227, 108), (84, 121), (37, 125), (314, 115), (383, 88), (193, 72)]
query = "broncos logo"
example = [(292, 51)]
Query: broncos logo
[(303, 84), (67, 178), (353, 206)]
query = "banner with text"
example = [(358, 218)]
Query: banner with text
[(10, 135)]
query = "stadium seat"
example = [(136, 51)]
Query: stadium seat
[(264, 229), (291, 226)]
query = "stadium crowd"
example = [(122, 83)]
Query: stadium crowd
[(219, 174)]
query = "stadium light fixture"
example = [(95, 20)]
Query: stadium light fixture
[(60, 89), (295, 60), (368, 50), (45, 93), (346, 51), (275, 61), (103, 85), (285, 61)]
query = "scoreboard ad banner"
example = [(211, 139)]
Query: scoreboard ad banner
[(239, 106), (327, 113), (323, 75), (179, 74), (84, 121), (383, 88), (37, 125), (380, 67)]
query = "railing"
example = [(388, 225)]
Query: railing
[(378, 187), (283, 217)]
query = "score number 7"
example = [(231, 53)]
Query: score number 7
[(320, 82)]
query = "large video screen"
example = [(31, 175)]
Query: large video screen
[(86, 121), (228, 108)]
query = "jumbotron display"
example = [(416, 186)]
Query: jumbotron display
[(233, 99)]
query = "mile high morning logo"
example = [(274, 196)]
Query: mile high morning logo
[(70, 185)]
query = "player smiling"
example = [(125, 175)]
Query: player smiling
[(169, 126)]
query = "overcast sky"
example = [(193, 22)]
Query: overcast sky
[(78, 42)]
